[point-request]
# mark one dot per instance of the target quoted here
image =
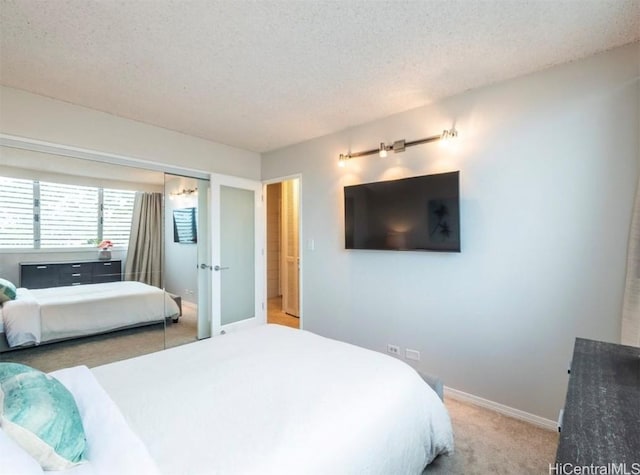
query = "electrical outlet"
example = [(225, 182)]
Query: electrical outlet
[(412, 354), (393, 349)]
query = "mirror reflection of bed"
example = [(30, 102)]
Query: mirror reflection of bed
[(71, 187)]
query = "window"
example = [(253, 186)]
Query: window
[(16, 213), (116, 216), (43, 215), (68, 215)]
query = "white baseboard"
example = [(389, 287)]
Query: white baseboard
[(501, 408)]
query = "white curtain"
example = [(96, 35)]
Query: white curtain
[(144, 257), (630, 334)]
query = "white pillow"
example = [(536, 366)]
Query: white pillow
[(112, 447), (14, 458)]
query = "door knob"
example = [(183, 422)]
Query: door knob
[(218, 268), (205, 266)]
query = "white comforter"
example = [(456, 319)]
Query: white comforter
[(112, 448), (272, 400), (54, 313)]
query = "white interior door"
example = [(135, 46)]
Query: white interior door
[(237, 227)]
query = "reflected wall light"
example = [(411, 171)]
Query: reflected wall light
[(398, 146), (183, 192)]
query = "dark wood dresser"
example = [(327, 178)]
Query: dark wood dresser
[(57, 274), (601, 420)]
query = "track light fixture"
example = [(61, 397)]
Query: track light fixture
[(398, 146), (448, 135), (383, 150)]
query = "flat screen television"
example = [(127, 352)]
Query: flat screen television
[(185, 225), (412, 214)]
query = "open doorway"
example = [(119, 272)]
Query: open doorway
[(283, 253)]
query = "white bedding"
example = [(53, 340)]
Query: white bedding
[(112, 448), (273, 400), (54, 313)]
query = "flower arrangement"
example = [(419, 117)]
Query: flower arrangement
[(105, 249), (105, 245)]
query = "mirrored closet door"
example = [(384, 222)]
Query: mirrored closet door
[(187, 258), (83, 241)]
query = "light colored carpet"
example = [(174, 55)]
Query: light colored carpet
[(186, 330), (102, 349), (490, 443), (91, 351)]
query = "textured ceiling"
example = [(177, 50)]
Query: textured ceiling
[(264, 74)]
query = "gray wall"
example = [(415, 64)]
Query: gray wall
[(181, 275), (549, 164)]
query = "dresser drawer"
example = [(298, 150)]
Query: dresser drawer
[(44, 275), (85, 268), (77, 278), (38, 276), (110, 271)]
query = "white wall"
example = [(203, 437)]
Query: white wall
[(30, 165), (180, 261), (37, 117), (549, 164)]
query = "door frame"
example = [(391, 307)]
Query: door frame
[(301, 248), (205, 299), (260, 307)]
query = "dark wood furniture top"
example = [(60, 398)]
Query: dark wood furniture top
[(601, 420), (39, 275)]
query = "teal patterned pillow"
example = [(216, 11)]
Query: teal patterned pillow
[(7, 291), (39, 413)]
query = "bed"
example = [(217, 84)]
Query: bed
[(58, 313), (264, 400)]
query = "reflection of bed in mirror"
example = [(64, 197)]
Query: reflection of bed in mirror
[(72, 256), (47, 315)]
